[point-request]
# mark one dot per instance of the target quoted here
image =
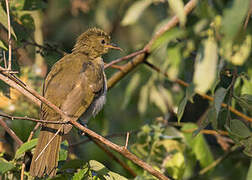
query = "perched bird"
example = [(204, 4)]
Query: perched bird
[(77, 85)]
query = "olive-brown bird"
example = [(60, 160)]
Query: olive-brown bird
[(77, 85)]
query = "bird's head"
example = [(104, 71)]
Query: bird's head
[(94, 42)]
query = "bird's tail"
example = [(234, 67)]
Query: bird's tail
[(45, 158)]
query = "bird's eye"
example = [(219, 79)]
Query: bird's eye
[(103, 41)]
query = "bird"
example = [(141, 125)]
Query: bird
[(77, 85)]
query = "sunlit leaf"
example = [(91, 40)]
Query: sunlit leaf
[(5, 166), (206, 66), (158, 100), (135, 11), (102, 171), (143, 99), (241, 55), (173, 62), (2, 45), (25, 147), (134, 82), (80, 174), (63, 151), (178, 7), (166, 37), (198, 145)]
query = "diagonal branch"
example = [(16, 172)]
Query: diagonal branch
[(141, 58), (123, 151), (205, 96)]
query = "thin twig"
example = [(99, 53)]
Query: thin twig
[(125, 57), (217, 161), (10, 132), (5, 62), (110, 136), (121, 150), (43, 150), (31, 119), (205, 96), (113, 146), (125, 166), (9, 33), (127, 141), (130, 66), (16, 86)]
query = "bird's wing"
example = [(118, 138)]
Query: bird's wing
[(73, 89)]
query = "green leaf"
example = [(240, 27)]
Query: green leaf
[(4, 21), (167, 37), (190, 92), (103, 172), (189, 96), (245, 101), (26, 147), (135, 11), (2, 45), (63, 151), (178, 7), (205, 121), (158, 99), (5, 166), (198, 145), (34, 5), (218, 99), (17, 4), (249, 174), (181, 108), (134, 82), (205, 66), (247, 143), (72, 164), (234, 17), (81, 173), (143, 99), (239, 129), (173, 62)]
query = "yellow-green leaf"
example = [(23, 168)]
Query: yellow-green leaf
[(135, 11), (206, 66), (177, 7), (3, 46)]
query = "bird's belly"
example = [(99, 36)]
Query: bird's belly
[(96, 105)]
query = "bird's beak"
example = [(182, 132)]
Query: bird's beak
[(113, 46)]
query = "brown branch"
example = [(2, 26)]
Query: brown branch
[(113, 146), (205, 96), (125, 58), (31, 119), (125, 152), (110, 136), (10, 132), (18, 87), (140, 58)]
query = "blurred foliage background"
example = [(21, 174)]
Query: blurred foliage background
[(210, 49)]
